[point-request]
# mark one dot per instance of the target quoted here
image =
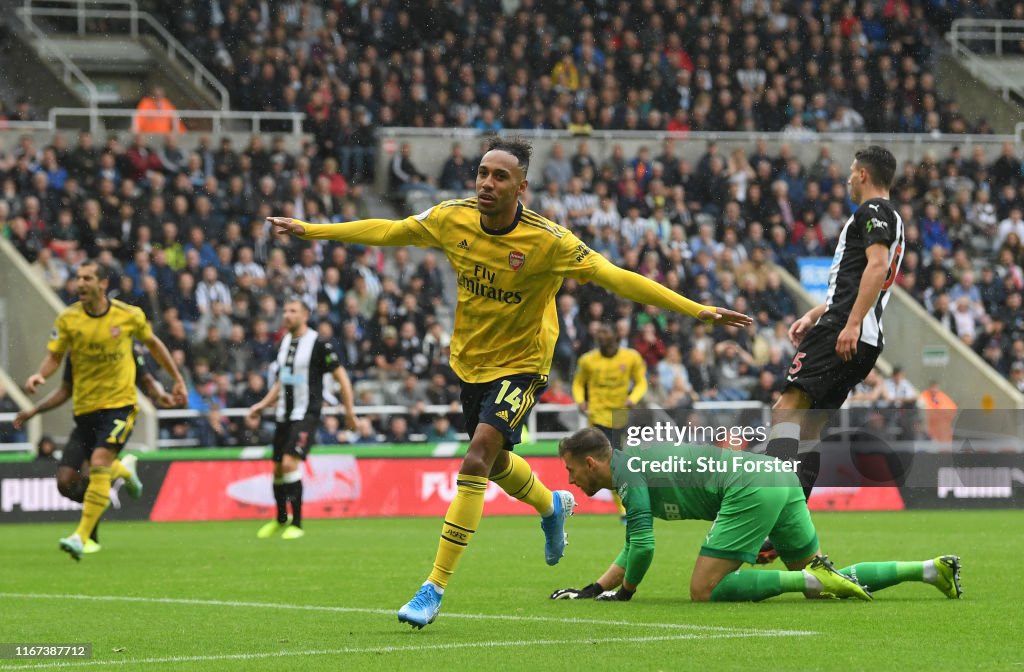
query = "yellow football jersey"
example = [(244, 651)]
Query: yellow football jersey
[(505, 318), (101, 353), (604, 382)]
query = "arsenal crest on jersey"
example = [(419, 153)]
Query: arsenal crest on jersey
[(115, 332), (516, 259)]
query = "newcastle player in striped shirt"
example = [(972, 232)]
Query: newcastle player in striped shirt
[(298, 373), (839, 341)]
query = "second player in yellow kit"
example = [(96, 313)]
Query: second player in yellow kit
[(609, 379), (99, 332), (510, 263)]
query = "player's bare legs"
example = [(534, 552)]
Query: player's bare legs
[(486, 459), (460, 523), (71, 483), (484, 448)]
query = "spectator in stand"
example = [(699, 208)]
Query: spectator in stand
[(459, 173), (900, 390), (872, 391), (1017, 376), (405, 178), (156, 114)]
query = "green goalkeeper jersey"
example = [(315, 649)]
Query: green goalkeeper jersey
[(687, 482)]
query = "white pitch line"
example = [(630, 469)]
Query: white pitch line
[(392, 649), (392, 612)]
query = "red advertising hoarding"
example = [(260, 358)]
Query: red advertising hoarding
[(341, 486)]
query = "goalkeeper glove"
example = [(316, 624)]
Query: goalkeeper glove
[(620, 595), (591, 591)]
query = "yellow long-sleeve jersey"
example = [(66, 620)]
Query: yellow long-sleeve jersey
[(604, 383), (505, 317)]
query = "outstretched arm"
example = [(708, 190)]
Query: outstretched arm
[(377, 232), (635, 287)]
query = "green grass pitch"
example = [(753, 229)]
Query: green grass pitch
[(210, 596)]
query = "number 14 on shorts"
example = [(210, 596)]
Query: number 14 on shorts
[(513, 398)]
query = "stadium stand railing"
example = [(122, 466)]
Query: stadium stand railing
[(202, 121), (139, 24), (33, 430), (431, 146), (70, 73), (978, 43), (99, 120), (567, 414)]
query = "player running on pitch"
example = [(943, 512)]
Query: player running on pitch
[(72, 471), (99, 332), (745, 507), (510, 263)]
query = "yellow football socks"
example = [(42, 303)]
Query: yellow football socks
[(118, 470), (460, 523), (97, 495), (519, 481)]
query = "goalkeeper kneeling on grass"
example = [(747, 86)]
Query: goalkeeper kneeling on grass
[(747, 502)]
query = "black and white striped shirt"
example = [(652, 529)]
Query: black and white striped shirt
[(300, 368), (875, 222)]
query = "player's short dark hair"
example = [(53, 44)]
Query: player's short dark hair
[(880, 164), (298, 300), (589, 441), (102, 270), (517, 146)]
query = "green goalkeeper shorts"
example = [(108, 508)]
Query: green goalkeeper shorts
[(750, 514)]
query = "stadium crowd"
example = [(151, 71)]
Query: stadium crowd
[(186, 238), (766, 65), (185, 232)]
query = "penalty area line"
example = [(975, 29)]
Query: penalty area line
[(768, 632), (394, 649)]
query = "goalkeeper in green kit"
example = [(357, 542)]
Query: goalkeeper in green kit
[(749, 497)]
